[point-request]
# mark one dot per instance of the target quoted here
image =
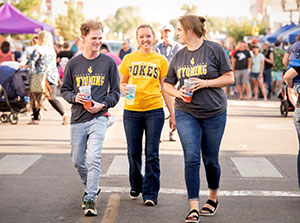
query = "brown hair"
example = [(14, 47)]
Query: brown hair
[(298, 38), (149, 27), (89, 25), (193, 23)]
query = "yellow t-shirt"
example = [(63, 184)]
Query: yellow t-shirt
[(145, 71)]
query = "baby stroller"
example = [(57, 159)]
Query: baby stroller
[(14, 93), (285, 106)]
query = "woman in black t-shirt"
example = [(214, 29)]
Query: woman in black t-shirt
[(201, 121)]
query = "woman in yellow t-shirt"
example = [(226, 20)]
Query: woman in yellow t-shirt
[(146, 70)]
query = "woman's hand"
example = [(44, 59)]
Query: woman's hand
[(123, 88), (198, 84), (182, 93), (172, 123)]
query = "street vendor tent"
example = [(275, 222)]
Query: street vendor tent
[(291, 37), (273, 36), (12, 21), (288, 32)]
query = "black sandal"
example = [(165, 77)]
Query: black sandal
[(208, 211), (193, 218)]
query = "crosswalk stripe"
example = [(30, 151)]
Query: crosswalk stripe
[(17, 164), (222, 193)]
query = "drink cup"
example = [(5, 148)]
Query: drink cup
[(189, 93), (130, 95), (86, 90)]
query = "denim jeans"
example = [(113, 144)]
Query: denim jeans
[(268, 79), (88, 136), (135, 123), (296, 119), (200, 136)]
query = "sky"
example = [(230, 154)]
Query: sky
[(163, 11)]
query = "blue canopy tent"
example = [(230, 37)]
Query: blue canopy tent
[(291, 37), (273, 36), (280, 37)]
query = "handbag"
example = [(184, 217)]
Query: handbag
[(38, 83)]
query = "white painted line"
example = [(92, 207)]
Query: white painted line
[(119, 166), (255, 167), (17, 164), (274, 127), (223, 193), (268, 105)]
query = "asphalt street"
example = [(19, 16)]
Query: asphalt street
[(258, 157)]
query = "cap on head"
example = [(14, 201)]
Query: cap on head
[(167, 27)]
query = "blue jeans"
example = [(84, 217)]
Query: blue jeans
[(297, 125), (200, 136), (88, 136), (268, 79), (135, 123)]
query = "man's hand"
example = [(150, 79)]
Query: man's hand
[(81, 98), (96, 107)]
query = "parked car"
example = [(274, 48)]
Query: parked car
[(115, 45)]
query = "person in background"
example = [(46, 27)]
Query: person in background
[(257, 71), (269, 61), (124, 50), (43, 61), (200, 123), (17, 52), (6, 53), (74, 47), (278, 68), (65, 52), (89, 123), (105, 49), (146, 69), (241, 64), (29, 49), (290, 75), (285, 60), (59, 44), (168, 48)]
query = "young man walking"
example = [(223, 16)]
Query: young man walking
[(89, 124)]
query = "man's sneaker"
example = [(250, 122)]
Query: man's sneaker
[(90, 208), (149, 203), (134, 194), (85, 193)]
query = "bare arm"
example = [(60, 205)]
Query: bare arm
[(169, 104), (222, 81), (289, 76), (271, 59), (262, 66), (285, 59), (123, 81)]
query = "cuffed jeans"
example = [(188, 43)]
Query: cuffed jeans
[(200, 136), (296, 119), (88, 136), (135, 123)]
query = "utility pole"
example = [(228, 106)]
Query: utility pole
[(283, 3)]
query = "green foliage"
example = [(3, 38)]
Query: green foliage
[(237, 30), (125, 21), (69, 26), (189, 10), (26, 6)]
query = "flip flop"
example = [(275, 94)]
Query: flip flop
[(208, 211), (193, 218)]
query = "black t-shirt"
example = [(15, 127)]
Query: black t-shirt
[(267, 55), (209, 61), (241, 57), (69, 54)]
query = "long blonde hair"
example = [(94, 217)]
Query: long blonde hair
[(45, 38)]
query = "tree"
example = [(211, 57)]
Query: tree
[(237, 30), (124, 22), (68, 26)]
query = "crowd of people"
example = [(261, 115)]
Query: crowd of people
[(188, 76)]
